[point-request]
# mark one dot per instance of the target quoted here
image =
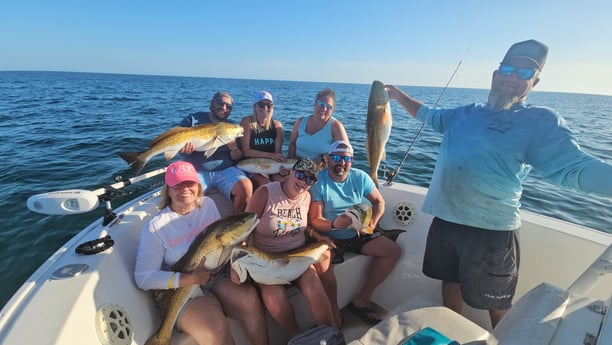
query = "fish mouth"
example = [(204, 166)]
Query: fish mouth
[(246, 223), (238, 253), (359, 214), (245, 234)]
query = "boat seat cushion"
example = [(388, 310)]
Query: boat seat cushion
[(534, 318), (412, 316)]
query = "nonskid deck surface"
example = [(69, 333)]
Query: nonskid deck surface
[(353, 327)]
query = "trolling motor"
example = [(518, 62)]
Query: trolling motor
[(75, 201)]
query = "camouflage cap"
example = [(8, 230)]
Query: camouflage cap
[(306, 165)]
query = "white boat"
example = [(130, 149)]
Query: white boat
[(564, 294)]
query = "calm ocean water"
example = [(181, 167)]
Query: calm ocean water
[(64, 130)]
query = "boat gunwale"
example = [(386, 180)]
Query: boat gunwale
[(21, 298)]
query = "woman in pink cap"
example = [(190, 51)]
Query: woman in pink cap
[(184, 213)]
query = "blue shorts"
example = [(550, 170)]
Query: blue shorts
[(484, 262), (222, 180)]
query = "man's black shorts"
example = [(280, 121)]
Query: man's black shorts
[(484, 262)]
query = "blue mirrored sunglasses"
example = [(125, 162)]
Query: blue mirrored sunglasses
[(326, 105), (338, 158), (522, 73), (303, 177)]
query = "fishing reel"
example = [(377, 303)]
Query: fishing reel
[(390, 175)]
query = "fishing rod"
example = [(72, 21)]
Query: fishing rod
[(391, 175)]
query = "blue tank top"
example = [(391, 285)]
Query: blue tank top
[(311, 146)]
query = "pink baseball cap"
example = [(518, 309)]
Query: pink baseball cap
[(180, 171)]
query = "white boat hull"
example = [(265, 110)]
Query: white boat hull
[(47, 310)]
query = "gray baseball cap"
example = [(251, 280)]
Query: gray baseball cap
[(531, 50)]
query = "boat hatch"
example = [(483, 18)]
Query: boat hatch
[(69, 271)]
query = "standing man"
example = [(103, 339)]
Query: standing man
[(218, 170), (339, 187), (475, 191)]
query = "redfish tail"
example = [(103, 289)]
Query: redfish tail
[(134, 160), (374, 176)]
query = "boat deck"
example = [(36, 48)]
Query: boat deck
[(55, 306)]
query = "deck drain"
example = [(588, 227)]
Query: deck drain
[(113, 326), (404, 213)]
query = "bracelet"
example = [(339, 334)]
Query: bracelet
[(171, 280), (332, 225)]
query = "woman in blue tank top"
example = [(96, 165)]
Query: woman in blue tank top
[(312, 135)]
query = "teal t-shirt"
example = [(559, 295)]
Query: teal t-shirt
[(338, 196), (485, 156)]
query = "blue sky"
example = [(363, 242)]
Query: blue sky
[(397, 41)]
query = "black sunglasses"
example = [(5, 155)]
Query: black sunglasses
[(228, 106), (262, 105)]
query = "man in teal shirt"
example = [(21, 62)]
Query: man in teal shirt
[(338, 188), (475, 191)]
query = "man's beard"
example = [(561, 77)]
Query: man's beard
[(499, 101), (339, 171), (217, 117)]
